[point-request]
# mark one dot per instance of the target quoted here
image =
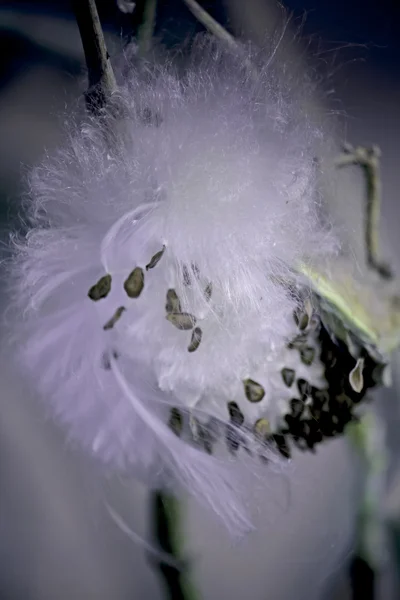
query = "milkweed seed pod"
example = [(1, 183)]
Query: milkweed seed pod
[(162, 311)]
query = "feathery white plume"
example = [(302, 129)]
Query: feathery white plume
[(191, 204)]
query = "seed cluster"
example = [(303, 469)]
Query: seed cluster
[(312, 416), (322, 413), (315, 414), (134, 285)]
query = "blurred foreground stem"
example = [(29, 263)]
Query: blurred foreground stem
[(145, 33), (166, 515), (369, 439)]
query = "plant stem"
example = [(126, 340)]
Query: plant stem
[(368, 160), (166, 520), (100, 73), (145, 33), (368, 437), (362, 579)]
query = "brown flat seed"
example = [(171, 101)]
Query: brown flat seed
[(304, 387), (101, 289), (116, 316), (253, 390), (307, 355), (282, 445), (187, 280), (201, 434), (302, 321), (175, 421), (303, 316), (182, 321), (298, 342), (134, 284), (196, 270), (328, 358), (343, 400), (288, 376), (173, 304), (233, 437), (208, 292), (296, 407), (320, 397), (356, 378), (262, 429), (105, 360), (155, 259), (236, 415), (196, 339)]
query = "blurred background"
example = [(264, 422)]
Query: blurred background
[(57, 540)]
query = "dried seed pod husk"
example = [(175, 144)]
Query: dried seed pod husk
[(155, 259), (134, 284), (116, 316), (182, 321), (101, 289), (195, 340)]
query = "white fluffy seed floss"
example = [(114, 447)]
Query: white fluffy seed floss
[(164, 317)]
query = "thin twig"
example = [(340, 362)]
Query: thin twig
[(368, 160), (221, 33), (210, 23), (100, 73)]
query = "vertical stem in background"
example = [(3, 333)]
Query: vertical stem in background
[(165, 509), (166, 519), (145, 33), (100, 74)]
